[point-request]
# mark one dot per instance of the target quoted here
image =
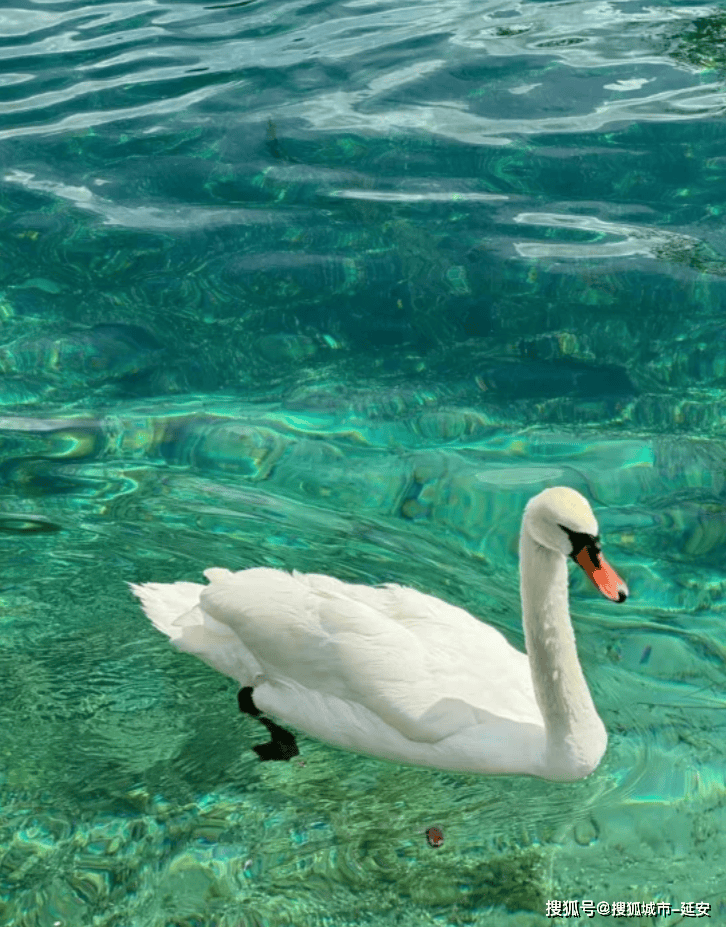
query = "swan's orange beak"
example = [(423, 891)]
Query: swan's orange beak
[(603, 576)]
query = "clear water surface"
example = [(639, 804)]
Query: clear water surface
[(338, 286)]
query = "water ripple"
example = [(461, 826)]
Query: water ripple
[(69, 68)]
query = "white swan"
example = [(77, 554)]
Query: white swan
[(394, 673)]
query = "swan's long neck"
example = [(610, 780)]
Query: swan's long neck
[(576, 736)]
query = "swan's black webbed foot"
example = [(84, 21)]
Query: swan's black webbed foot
[(278, 749), (282, 746)]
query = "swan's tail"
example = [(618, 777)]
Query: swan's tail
[(174, 609), (166, 603)]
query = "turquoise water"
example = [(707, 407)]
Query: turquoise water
[(338, 287)]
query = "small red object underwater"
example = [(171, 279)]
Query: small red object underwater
[(435, 836)]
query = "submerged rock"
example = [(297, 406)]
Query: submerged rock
[(20, 523), (547, 379), (286, 348), (106, 352)]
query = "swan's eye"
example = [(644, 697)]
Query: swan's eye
[(581, 541)]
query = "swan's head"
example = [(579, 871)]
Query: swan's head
[(562, 520)]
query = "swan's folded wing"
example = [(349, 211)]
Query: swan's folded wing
[(470, 662), (329, 643)]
